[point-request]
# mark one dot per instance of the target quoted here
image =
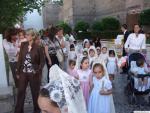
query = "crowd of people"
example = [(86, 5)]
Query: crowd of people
[(93, 65)]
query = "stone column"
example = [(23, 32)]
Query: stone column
[(3, 77), (6, 92)]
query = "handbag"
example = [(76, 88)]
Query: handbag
[(60, 55)]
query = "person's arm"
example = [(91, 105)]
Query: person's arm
[(143, 43), (126, 45), (108, 92), (47, 55), (42, 59), (62, 43)]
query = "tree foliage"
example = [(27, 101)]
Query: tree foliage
[(59, 2), (12, 11), (110, 24), (81, 26), (97, 26), (67, 29), (145, 17)]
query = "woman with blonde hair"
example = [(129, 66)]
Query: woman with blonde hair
[(29, 69)]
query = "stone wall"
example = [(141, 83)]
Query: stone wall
[(51, 14), (91, 10)]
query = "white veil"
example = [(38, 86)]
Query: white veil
[(98, 60), (71, 97)]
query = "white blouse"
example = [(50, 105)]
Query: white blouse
[(11, 50), (136, 42)]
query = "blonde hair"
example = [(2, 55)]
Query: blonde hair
[(32, 32)]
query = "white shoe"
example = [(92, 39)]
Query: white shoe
[(143, 88)]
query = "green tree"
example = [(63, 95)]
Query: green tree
[(110, 24), (12, 11), (67, 29), (59, 2), (145, 17), (81, 26), (97, 26)]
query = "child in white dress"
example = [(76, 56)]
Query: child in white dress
[(100, 99), (111, 64), (72, 53), (104, 54), (92, 55)]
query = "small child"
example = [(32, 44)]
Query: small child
[(104, 54), (84, 75), (141, 69), (72, 53), (111, 64), (100, 99), (92, 55), (71, 69), (98, 49), (121, 60)]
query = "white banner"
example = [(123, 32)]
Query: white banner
[(3, 77)]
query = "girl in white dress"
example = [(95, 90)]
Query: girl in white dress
[(104, 54), (111, 64), (92, 55), (100, 99)]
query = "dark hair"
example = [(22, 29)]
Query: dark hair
[(125, 26), (91, 42), (83, 59), (140, 31), (9, 33), (140, 62), (45, 93), (85, 44), (111, 52), (99, 65), (72, 46), (21, 31), (52, 32), (59, 28), (72, 62)]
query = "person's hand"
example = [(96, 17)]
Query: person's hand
[(49, 63), (102, 92)]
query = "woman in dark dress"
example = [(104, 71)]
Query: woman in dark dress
[(51, 47)]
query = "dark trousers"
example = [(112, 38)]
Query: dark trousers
[(34, 81), (54, 60), (13, 66), (125, 68)]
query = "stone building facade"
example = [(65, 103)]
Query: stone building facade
[(126, 11), (51, 14)]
